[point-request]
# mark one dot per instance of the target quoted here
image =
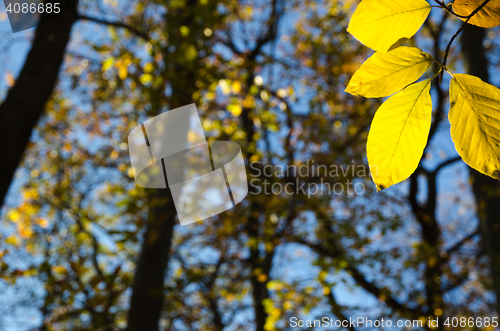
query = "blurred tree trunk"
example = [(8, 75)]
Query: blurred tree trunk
[(147, 300), (26, 100), (486, 189), (147, 292)]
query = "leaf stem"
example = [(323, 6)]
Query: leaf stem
[(445, 7), (458, 32)]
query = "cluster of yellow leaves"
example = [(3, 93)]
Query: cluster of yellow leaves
[(400, 128), (120, 64)]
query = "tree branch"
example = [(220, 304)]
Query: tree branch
[(361, 280), (446, 163), (117, 24), (460, 30), (25, 101)]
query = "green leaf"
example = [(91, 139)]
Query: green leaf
[(398, 134), (380, 24), (475, 123), (384, 74), (487, 17)]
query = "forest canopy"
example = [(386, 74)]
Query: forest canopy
[(398, 98)]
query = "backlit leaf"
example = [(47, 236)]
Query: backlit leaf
[(384, 74), (234, 109), (149, 68), (108, 63), (13, 240), (475, 123), (398, 134), (9, 78), (380, 24), (123, 72), (146, 78), (487, 17)]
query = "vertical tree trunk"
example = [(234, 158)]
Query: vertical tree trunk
[(147, 299), (147, 292), (26, 100), (486, 189)]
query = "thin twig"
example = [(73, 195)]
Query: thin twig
[(460, 30), (135, 31), (443, 5), (448, 162)]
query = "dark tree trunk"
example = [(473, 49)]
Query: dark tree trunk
[(486, 189), (26, 100), (147, 292), (147, 299)]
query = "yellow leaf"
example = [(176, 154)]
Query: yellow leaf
[(385, 24), (249, 101), (42, 222), (123, 72), (13, 240), (487, 17), (184, 30), (108, 63), (210, 96), (24, 230), (59, 269), (14, 215), (114, 155), (262, 278), (149, 67), (9, 78), (475, 123), (398, 134), (234, 109), (146, 78), (236, 87), (384, 74)]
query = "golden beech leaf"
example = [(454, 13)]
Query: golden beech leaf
[(385, 24), (475, 123), (384, 74), (487, 17), (398, 134)]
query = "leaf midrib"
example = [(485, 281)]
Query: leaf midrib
[(404, 125), (475, 113), (427, 59)]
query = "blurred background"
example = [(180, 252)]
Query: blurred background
[(82, 247)]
